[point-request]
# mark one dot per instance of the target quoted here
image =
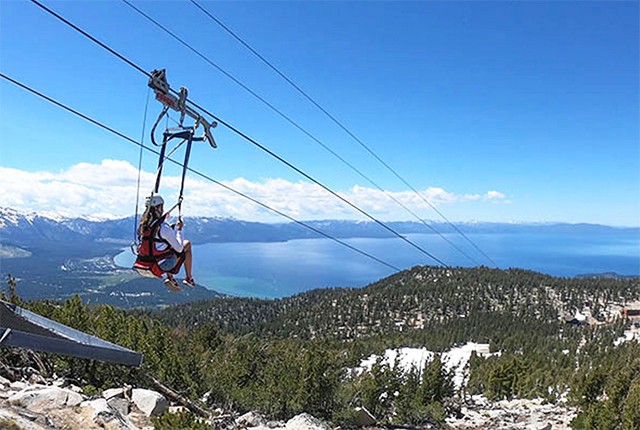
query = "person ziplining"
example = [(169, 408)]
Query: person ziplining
[(165, 244), (160, 248)]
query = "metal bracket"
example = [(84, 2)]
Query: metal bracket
[(158, 83)]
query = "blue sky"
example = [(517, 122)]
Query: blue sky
[(493, 111)]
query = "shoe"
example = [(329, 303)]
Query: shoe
[(172, 285), (189, 281)]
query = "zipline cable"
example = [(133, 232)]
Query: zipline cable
[(196, 172), (293, 123), (144, 126), (315, 181), (339, 124), (248, 138), (93, 39)]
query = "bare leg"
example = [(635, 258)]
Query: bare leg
[(188, 260)]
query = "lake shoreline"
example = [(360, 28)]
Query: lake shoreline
[(284, 268)]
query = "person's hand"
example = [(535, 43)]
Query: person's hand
[(179, 224)]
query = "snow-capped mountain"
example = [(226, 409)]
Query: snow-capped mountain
[(20, 228), (26, 227)]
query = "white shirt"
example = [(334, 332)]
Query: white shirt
[(174, 237)]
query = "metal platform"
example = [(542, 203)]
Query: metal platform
[(20, 328)]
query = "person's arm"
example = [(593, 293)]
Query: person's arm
[(174, 237)]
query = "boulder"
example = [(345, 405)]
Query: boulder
[(250, 419), (105, 416), (121, 405), (41, 399), (148, 401), (18, 385), (305, 422), (113, 392)]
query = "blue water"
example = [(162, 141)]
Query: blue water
[(282, 269)]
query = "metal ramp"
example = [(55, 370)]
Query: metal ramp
[(20, 328)]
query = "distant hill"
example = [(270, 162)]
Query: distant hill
[(451, 306)]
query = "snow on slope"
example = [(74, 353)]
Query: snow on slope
[(408, 358)]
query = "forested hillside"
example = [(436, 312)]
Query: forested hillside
[(465, 304)]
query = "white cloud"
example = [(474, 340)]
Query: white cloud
[(496, 197), (492, 195), (109, 189)]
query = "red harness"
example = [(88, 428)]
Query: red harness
[(147, 262)]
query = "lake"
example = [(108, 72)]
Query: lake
[(280, 269)]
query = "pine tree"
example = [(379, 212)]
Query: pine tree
[(631, 409)]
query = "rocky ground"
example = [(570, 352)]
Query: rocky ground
[(519, 414), (39, 404), (56, 405), (48, 405)]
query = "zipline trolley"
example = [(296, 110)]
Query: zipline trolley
[(146, 262)]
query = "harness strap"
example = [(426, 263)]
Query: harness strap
[(185, 165), (160, 165)]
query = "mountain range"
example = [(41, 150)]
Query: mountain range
[(20, 228), (55, 256)]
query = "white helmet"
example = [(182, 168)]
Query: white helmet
[(154, 201)]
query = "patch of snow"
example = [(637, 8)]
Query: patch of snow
[(580, 317), (406, 358), (53, 216), (416, 358), (457, 359), (628, 336), (13, 217)]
